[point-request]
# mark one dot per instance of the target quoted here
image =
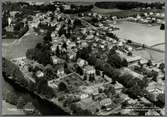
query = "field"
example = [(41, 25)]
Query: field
[(19, 47)]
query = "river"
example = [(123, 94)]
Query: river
[(145, 34)]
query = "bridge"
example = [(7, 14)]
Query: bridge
[(146, 46), (157, 44)]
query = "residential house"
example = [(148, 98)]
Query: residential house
[(81, 62), (106, 103), (60, 72), (56, 60), (89, 73), (39, 74)]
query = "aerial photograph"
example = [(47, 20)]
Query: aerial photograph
[(83, 57)]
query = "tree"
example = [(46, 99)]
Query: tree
[(49, 72), (62, 86), (124, 104), (38, 46), (149, 63), (64, 45), (11, 97), (30, 54), (162, 67), (18, 26), (115, 60), (84, 53), (41, 84), (162, 27), (43, 57), (57, 51), (48, 37), (124, 62), (129, 53), (79, 70), (161, 98), (154, 75), (135, 91), (113, 50), (97, 72), (92, 60), (109, 90)]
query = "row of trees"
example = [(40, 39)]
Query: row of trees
[(135, 87), (9, 69), (41, 53), (128, 5)]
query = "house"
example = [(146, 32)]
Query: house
[(151, 13), (83, 96), (144, 100), (138, 16), (83, 30), (106, 103), (39, 74), (66, 7), (13, 13), (53, 48), (154, 90), (89, 69), (9, 21), (146, 14), (132, 101), (56, 60), (60, 72), (52, 84), (118, 87), (71, 55), (89, 37), (152, 112), (53, 35), (99, 96), (124, 96), (35, 24), (81, 62), (89, 73), (83, 44), (71, 44)]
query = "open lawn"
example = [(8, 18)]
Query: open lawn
[(19, 48)]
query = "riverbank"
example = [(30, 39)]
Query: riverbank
[(9, 109), (42, 105)]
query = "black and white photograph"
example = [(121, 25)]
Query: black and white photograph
[(83, 57)]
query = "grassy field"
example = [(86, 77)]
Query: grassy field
[(20, 47)]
